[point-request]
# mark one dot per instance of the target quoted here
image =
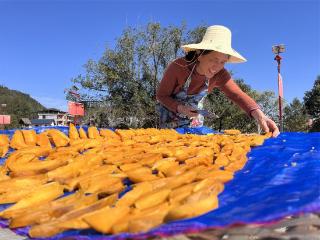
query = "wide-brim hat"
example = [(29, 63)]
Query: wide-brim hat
[(217, 38)]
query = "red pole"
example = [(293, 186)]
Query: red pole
[(278, 59)]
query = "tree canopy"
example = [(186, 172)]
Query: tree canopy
[(312, 104), (18, 105)]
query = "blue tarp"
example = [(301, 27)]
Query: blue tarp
[(196, 130), (281, 178)]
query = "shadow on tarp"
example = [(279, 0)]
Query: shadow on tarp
[(281, 178)]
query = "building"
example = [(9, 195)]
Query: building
[(60, 118), (42, 122), (25, 122)]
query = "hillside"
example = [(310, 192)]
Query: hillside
[(18, 105)]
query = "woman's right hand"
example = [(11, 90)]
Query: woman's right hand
[(187, 111)]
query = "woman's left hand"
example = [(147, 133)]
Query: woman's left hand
[(265, 123)]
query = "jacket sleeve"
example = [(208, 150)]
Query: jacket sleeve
[(166, 88), (243, 100)]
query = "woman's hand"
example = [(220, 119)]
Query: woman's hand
[(187, 111), (265, 123)]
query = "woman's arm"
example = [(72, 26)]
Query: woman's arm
[(166, 88), (265, 123), (245, 102)]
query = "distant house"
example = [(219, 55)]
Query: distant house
[(25, 122), (60, 118), (42, 122)]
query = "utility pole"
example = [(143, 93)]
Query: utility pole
[(277, 49)]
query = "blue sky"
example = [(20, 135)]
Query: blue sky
[(43, 44)]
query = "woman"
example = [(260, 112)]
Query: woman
[(188, 80)]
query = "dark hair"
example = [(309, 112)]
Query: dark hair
[(193, 55)]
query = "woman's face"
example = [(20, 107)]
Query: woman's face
[(211, 63)]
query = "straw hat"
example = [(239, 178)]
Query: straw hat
[(217, 38)]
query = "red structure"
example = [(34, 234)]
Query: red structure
[(76, 109), (5, 119), (277, 49), (280, 91)]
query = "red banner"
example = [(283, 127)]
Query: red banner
[(75, 108), (5, 119), (280, 86)]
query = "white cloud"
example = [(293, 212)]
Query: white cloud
[(50, 102)]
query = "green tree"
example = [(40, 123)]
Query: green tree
[(268, 103), (312, 104), (295, 117), (312, 99), (18, 105), (315, 127), (228, 115), (125, 78)]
